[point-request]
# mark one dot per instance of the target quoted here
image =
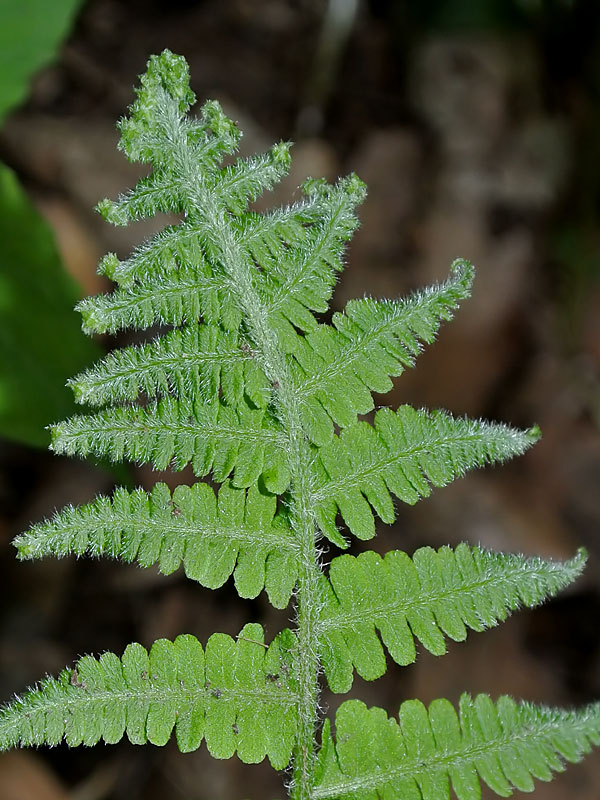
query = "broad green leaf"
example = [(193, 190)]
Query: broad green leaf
[(30, 33), (40, 341)]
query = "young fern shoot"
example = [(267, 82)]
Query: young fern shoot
[(249, 388)]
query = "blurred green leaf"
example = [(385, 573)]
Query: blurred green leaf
[(41, 343), (30, 32)]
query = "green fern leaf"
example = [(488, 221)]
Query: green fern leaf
[(164, 191), (426, 597), (209, 436), (267, 238), (158, 193), (237, 533), (178, 299), (175, 277), (238, 696), (161, 105), (196, 362), (248, 178), (405, 453), (338, 366), (164, 253), (302, 274), (505, 744)]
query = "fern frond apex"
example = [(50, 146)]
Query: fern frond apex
[(351, 185), (463, 272), (534, 434)]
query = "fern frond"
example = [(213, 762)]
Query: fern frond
[(426, 597), (195, 362), (249, 388), (170, 432), (238, 696), (403, 453), (339, 365), (236, 533), (429, 750)]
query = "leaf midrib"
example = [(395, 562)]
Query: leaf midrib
[(356, 479), (190, 532), (403, 606), (152, 694)]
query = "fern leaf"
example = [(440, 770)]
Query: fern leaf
[(236, 533), (163, 98), (164, 252), (305, 272), (427, 597), (430, 750), (209, 436), (249, 387), (248, 178), (177, 299), (266, 238), (405, 453), (299, 250), (185, 244), (164, 191), (209, 138), (158, 193), (339, 365), (226, 694), (195, 362)]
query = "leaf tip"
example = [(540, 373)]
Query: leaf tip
[(23, 547), (463, 272), (56, 434), (111, 212), (281, 154), (533, 435), (578, 562)]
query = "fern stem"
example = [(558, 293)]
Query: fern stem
[(305, 659), (264, 341), (307, 619)]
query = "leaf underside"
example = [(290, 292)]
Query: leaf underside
[(237, 695), (431, 749)]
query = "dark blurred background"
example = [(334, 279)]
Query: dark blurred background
[(476, 126)]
